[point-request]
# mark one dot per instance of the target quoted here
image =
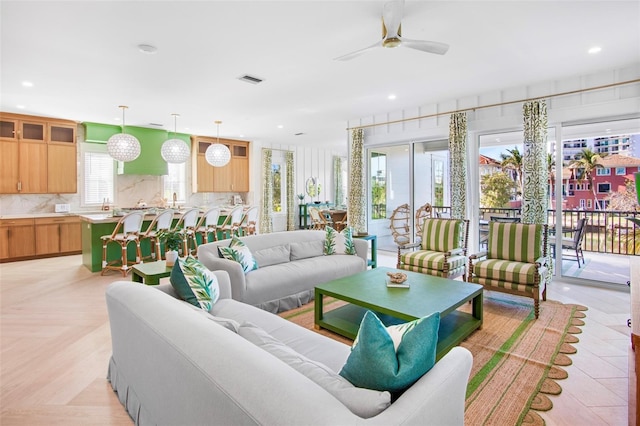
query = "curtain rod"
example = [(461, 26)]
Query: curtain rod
[(437, 114)]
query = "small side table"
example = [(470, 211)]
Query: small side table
[(150, 273), (373, 262)]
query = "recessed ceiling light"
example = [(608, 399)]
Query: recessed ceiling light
[(594, 50), (147, 48), (27, 84), (241, 136), (391, 97), (280, 126), (20, 106)]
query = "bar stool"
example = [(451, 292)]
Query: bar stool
[(209, 224), (162, 222), (126, 231), (232, 222), (188, 223), (249, 221)]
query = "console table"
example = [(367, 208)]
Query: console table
[(303, 213)]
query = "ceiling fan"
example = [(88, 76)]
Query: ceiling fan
[(391, 35)]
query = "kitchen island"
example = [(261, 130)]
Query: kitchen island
[(94, 226)]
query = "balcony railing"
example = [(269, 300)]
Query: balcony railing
[(607, 231)]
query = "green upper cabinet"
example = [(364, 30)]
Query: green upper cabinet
[(150, 161)]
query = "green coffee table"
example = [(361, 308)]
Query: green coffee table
[(427, 294), (151, 272)]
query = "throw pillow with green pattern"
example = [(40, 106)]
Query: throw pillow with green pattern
[(194, 283), (239, 252), (338, 242)]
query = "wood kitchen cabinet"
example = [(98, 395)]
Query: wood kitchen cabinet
[(57, 235), (38, 155), (234, 177), (17, 238)]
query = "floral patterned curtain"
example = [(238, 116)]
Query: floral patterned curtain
[(267, 193), (535, 170), (357, 200), (291, 224), (458, 164)]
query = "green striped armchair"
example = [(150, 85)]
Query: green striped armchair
[(442, 249), (515, 261)]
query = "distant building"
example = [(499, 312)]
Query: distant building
[(618, 144), (611, 177)]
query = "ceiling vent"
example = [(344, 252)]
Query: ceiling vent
[(250, 79), (298, 134)]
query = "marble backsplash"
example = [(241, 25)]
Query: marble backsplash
[(129, 190)]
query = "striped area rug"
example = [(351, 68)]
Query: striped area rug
[(517, 359)]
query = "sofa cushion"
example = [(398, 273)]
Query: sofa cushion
[(194, 283), (515, 241), (441, 234), (362, 402), (239, 252), (392, 358), (272, 255), (428, 259), (338, 242), (307, 249), (508, 271)]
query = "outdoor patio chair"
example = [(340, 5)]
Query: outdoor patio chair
[(515, 261), (574, 243), (442, 249)]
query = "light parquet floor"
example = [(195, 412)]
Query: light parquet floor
[(55, 345)]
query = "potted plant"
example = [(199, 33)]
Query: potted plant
[(173, 241)]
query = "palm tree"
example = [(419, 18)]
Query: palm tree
[(513, 162), (587, 162)]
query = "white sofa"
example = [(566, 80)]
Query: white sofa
[(290, 265), (173, 365)]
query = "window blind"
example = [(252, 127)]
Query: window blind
[(98, 178)]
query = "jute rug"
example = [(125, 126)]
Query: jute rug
[(517, 359)]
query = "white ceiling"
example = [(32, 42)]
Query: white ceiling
[(83, 60)]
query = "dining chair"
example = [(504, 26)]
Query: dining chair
[(318, 220), (162, 222), (574, 243), (127, 231), (208, 224), (248, 223), (232, 222), (188, 223)]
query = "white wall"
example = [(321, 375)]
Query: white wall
[(615, 102)]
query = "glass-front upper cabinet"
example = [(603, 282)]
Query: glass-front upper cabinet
[(13, 129)]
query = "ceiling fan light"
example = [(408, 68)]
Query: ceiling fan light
[(175, 151), (123, 147), (218, 155)]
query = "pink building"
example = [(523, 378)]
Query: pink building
[(611, 177)]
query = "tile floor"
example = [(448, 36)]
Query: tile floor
[(596, 391)]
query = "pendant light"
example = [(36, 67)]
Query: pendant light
[(175, 150), (218, 155), (121, 146)]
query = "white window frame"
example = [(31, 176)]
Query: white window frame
[(582, 203), (175, 181), (603, 171), (604, 183), (621, 171), (110, 196)]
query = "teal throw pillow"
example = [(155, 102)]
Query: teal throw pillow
[(338, 242), (194, 283), (239, 252), (392, 358)]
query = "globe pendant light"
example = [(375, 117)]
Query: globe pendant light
[(121, 146), (218, 155), (175, 150)]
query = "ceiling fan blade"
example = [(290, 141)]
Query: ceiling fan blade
[(425, 46), (391, 17), (357, 53)]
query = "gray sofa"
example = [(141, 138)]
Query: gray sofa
[(173, 365), (290, 265)]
